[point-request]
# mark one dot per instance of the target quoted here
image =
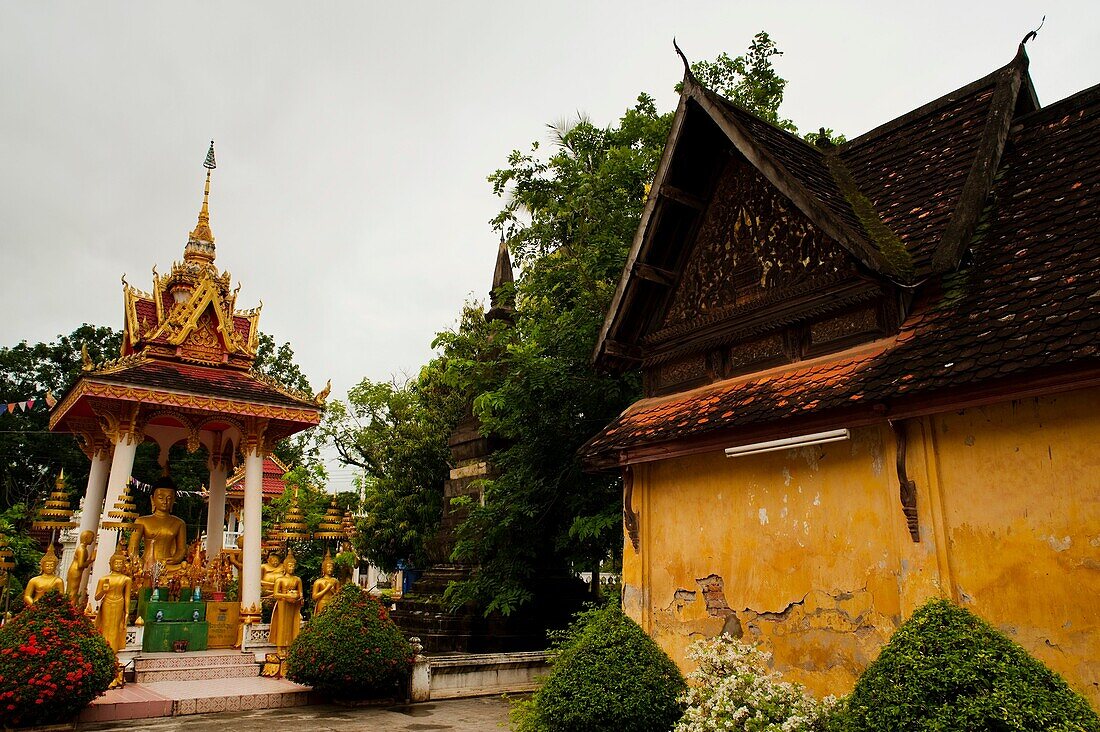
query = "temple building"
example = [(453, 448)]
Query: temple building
[(871, 378), (184, 376)]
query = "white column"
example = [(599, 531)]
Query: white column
[(93, 494), (253, 508), (121, 466), (215, 519)]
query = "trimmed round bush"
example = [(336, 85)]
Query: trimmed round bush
[(947, 669), (352, 650), (53, 663), (606, 674)]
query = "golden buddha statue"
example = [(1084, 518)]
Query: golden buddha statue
[(82, 559), (286, 618), (164, 535), (48, 581), (325, 587), (270, 571), (113, 594)]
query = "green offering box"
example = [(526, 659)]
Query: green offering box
[(162, 637)]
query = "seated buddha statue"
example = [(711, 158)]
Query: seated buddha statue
[(270, 571), (47, 581), (164, 536)]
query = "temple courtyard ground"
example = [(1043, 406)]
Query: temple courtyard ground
[(458, 715)]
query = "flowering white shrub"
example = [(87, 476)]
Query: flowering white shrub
[(732, 689)]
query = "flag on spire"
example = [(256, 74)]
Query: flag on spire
[(210, 164)]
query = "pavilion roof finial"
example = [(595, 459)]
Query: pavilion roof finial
[(200, 243)]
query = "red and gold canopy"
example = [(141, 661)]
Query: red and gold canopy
[(186, 363)]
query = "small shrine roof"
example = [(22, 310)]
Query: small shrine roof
[(222, 390), (1019, 316), (272, 484)]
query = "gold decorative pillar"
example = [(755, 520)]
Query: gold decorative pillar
[(215, 519), (254, 449), (124, 432)]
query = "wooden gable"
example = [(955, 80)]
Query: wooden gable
[(733, 270), (758, 284)]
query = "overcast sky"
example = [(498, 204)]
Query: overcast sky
[(354, 138)]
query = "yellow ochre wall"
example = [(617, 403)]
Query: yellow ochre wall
[(807, 550)]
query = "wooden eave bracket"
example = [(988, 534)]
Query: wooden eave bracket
[(656, 275)]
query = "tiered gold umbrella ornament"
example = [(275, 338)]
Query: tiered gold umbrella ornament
[(295, 527), (56, 513), (121, 518), (331, 527), (273, 539)]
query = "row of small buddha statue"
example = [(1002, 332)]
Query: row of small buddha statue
[(158, 543)]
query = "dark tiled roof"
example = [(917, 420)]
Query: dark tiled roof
[(914, 173), (215, 382), (1028, 301)]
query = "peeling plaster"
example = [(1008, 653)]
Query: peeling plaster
[(1059, 545), (786, 476), (763, 515), (811, 455)]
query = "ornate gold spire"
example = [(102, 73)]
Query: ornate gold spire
[(200, 244)]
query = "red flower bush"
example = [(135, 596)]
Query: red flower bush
[(352, 650), (53, 662)]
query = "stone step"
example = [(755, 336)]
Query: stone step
[(203, 665), (180, 698)]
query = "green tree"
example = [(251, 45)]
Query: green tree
[(278, 363), (30, 455), (749, 80), (396, 433)]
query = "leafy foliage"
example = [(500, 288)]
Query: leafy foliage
[(540, 394), (397, 434), (732, 689), (749, 80), (278, 363), (352, 650), (30, 455), (947, 669), (607, 674), (53, 662)]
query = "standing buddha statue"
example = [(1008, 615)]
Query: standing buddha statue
[(82, 559), (286, 618), (325, 587), (113, 594)]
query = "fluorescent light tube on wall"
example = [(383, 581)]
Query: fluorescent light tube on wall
[(786, 443)]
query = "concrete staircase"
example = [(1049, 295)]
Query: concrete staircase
[(199, 666), (176, 684)]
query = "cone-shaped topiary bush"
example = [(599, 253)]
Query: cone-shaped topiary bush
[(352, 650), (606, 674), (53, 662), (947, 669)]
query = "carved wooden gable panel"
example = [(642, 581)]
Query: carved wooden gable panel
[(753, 242), (204, 344)]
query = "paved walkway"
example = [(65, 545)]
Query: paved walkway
[(458, 715)]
